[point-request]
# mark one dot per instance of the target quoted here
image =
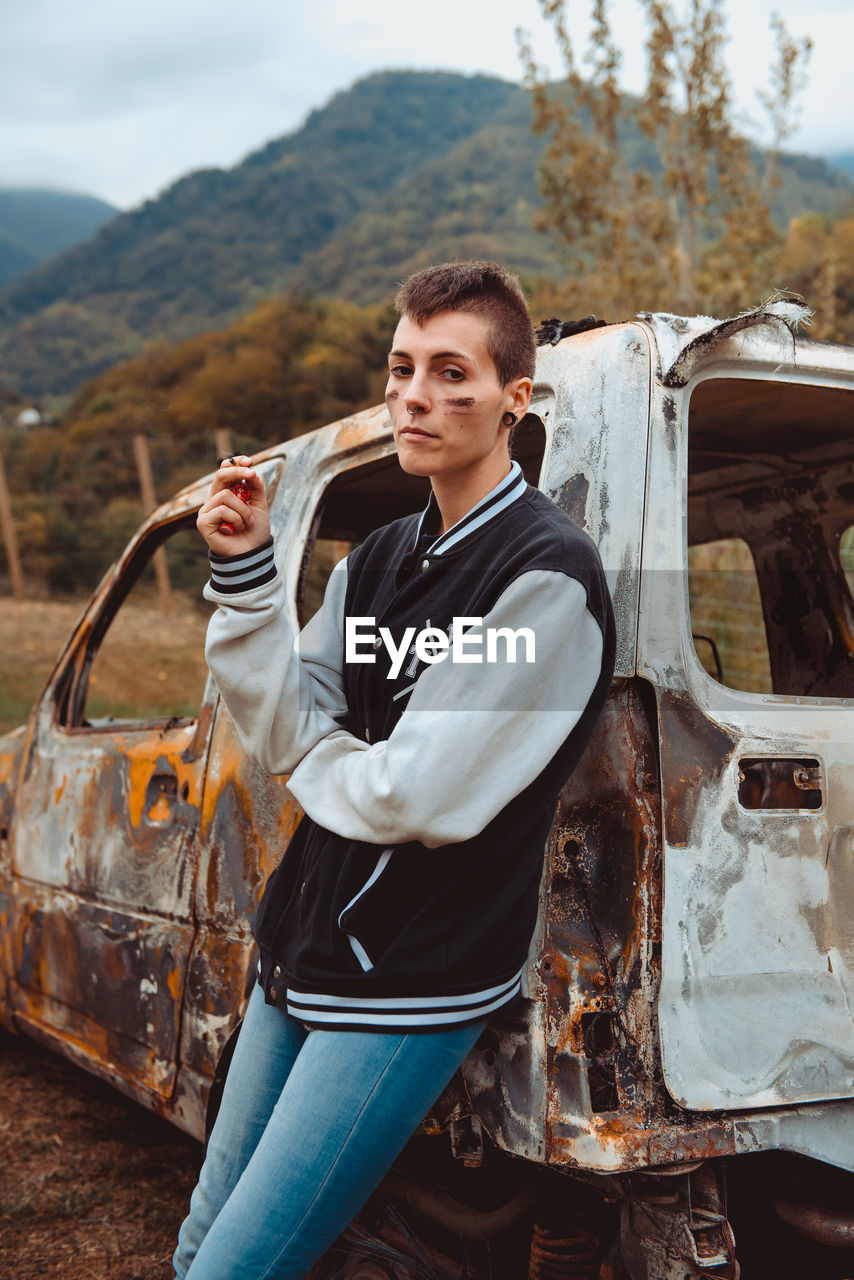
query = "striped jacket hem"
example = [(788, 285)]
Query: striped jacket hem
[(390, 1013)]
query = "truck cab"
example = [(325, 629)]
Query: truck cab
[(687, 1001)]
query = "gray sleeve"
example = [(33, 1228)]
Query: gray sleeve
[(474, 734), (283, 691)]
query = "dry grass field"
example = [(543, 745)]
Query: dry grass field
[(31, 636), (150, 664)]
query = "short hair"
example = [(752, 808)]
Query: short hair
[(485, 289)]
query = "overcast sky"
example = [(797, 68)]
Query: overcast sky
[(119, 100)]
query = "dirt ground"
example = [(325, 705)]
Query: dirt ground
[(92, 1187)]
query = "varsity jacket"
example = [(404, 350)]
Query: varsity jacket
[(428, 715)]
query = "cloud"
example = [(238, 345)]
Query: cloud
[(123, 99)]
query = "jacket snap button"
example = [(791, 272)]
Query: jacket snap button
[(272, 992), (277, 972), (378, 642), (425, 565)]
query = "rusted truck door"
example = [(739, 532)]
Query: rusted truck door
[(747, 633), (103, 852)]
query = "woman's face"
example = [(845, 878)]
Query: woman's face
[(445, 398)]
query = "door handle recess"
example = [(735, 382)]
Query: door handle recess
[(160, 794), (778, 782)]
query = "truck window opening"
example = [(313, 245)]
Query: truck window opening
[(166, 680), (770, 556)]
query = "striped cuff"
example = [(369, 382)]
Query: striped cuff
[(243, 572)]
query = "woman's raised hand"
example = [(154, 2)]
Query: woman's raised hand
[(228, 524)]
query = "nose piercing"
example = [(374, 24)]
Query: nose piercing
[(412, 412)]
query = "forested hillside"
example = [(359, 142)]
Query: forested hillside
[(286, 367), (37, 224), (404, 168), (218, 241), (290, 365), (843, 160)]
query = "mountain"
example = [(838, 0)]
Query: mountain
[(36, 224), (843, 160), (402, 169), (477, 199)]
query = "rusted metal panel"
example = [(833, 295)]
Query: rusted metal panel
[(758, 950), (101, 923), (585, 387), (570, 1077), (11, 753), (757, 954), (542, 1086), (591, 1064), (101, 861), (103, 983)]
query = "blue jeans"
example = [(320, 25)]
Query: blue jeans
[(309, 1124)]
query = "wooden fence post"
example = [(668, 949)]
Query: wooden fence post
[(149, 502), (10, 537)]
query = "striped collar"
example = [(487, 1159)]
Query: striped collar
[(507, 491)]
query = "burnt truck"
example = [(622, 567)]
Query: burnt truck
[(674, 1096)]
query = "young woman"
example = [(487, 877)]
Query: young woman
[(428, 715)]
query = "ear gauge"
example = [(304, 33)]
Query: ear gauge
[(508, 419)]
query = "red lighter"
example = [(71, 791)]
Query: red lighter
[(244, 493)]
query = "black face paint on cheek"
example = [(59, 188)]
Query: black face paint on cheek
[(464, 402), (392, 395)]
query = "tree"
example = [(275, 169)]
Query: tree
[(818, 261), (289, 365), (658, 203)]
